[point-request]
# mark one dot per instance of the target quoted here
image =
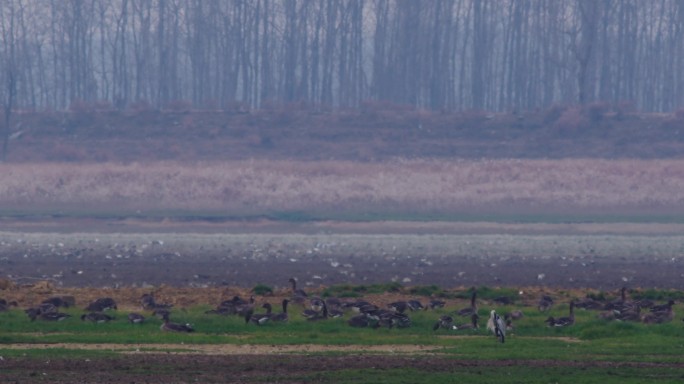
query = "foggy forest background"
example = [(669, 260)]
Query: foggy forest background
[(497, 55)]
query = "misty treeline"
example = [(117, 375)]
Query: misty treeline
[(497, 55)]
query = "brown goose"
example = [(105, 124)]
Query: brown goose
[(50, 316), (101, 304), (281, 317), (148, 302), (472, 325), (468, 311), (136, 318), (168, 326), (563, 321), (96, 317), (298, 295), (260, 318), (545, 303), (445, 321)]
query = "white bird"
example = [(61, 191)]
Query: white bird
[(497, 326)]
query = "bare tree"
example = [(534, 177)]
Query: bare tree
[(8, 15)]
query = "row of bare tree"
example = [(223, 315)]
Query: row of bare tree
[(439, 54)]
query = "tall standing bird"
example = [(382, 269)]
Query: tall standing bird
[(563, 321), (468, 311), (497, 326), (295, 291)]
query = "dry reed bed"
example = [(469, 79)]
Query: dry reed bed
[(414, 185)]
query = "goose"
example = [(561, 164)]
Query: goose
[(415, 305), (621, 304), (589, 304), (445, 321), (333, 302), (563, 321), (662, 307), (96, 317), (335, 312), (468, 311), (57, 302), (316, 304), (50, 316), (320, 316), (497, 326), (101, 304), (260, 318), (243, 308), (298, 295), (360, 321), (395, 319), (515, 315), (147, 302), (658, 317), (161, 313), (472, 325), (168, 326), (545, 303), (136, 318), (434, 304), (281, 317), (5, 306), (357, 305), (503, 300), (628, 313), (47, 308), (398, 306)]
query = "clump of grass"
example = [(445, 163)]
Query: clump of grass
[(262, 290), (429, 290), (347, 290), (657, 294), (488, 293)]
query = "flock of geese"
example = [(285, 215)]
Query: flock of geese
[(365, 314)]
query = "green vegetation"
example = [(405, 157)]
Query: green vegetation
[(591, 351)]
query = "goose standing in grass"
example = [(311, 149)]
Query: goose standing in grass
[(434, 304), (415, 305), (281, 317), (360, 321), (621, 304), (136, 318), (662, 307), (545, 303), (468, 311), (168, 326), (101, 304), (659, 314), (445, 321), (96, 317), (161, 313), (398, 306), (496, 325), (34, 314), (628, 313), (298, 294), (148, 302), (474, 318), (260, 318), (57, 302), (320, 316), (563, 321)]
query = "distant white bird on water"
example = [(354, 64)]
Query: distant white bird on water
[(497, 326)]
